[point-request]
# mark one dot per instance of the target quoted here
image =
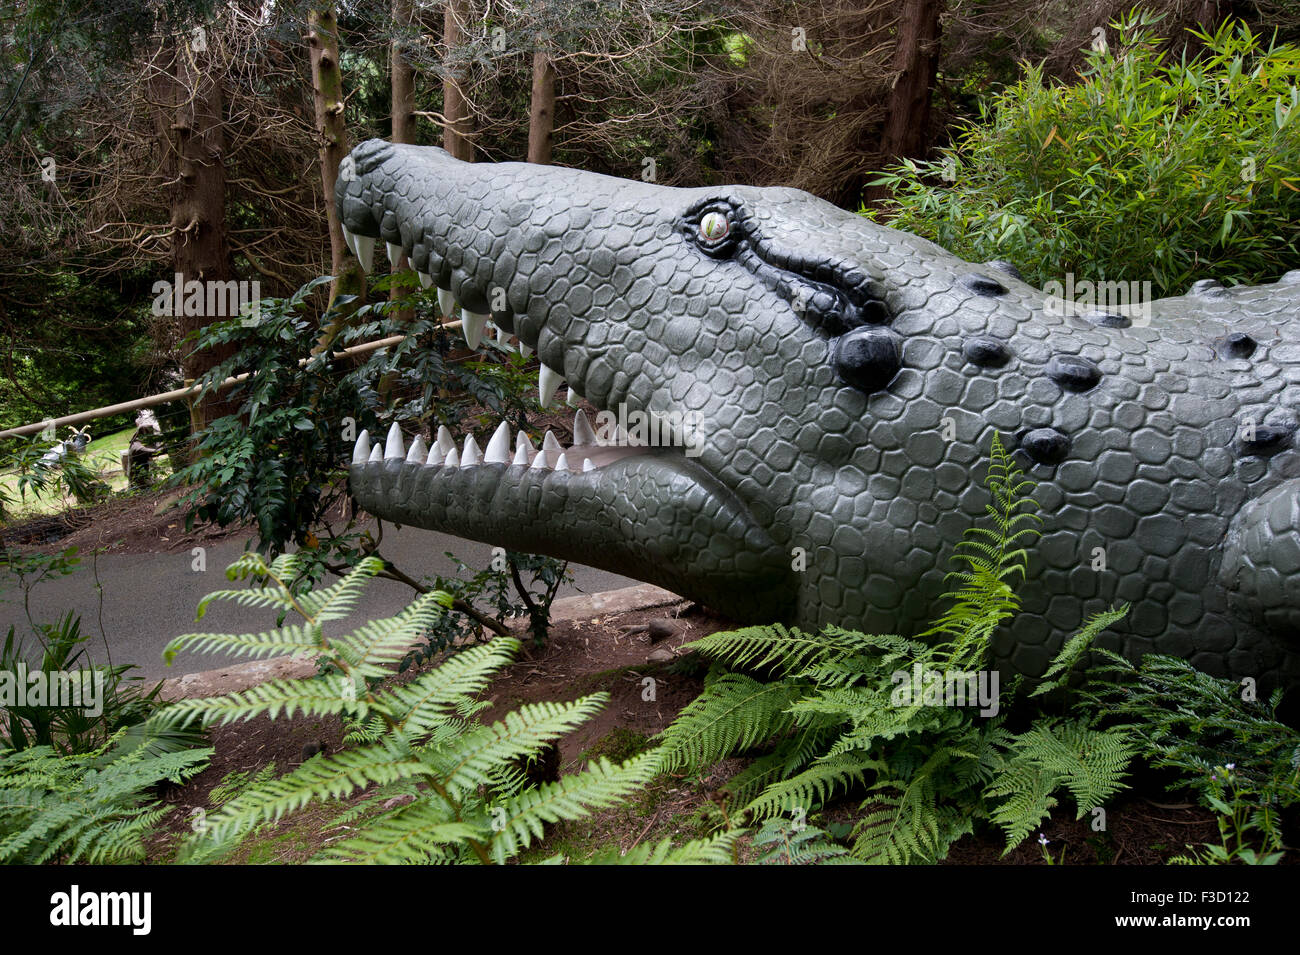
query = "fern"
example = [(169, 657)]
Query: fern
[(91, 807), (466, 800), (1197, 725), (824, 711), (1052, 754)]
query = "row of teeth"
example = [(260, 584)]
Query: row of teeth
[(473, 324), (445, 454)]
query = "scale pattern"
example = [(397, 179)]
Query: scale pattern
[(840, 382)]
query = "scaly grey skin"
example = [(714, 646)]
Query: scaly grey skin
[(843, 381)]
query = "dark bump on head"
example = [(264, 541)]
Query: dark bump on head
[(1236, 345), (1045, 445), (1108, 319), (1006, 268), (868, 358), (1073, 372), (1265, 439), (982, 284), (1207, 288), (986, 351)]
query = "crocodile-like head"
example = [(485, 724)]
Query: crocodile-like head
[(827, 388)]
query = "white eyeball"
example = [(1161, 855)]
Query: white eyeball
[(714, 226)]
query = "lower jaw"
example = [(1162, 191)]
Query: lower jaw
[(652, 515)]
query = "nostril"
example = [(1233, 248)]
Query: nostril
[(868, 358)]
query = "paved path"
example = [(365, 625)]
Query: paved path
[(150, 598)]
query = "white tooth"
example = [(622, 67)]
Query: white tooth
[(551, 443), (425, 280), (582, 433), (548, 380), (394, 448), (445, 444), (394, 253), (435, 457), (349, 240), (523, 441), (503, 337), (562, 464), (498, 449), (446, 303), (524, 349), (574, 398), (521, 457), (471, 455), (418, 452), (539, 462), (365, 249), (376, 454), (362, 450), (587, 465), (453, 460), (472, 325)]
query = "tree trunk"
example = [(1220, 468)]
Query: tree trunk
[(916, 63), (455, 134), (193, 140), (327, 90), (403, 84), (541, 113)]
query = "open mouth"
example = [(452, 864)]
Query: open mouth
[(644, 508)]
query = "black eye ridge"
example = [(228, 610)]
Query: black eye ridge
[(834, 297)]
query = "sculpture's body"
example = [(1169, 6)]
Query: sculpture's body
[(817, 356)]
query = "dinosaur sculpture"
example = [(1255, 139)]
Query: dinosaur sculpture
[(839, 383)]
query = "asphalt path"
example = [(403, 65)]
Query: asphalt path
[(148, 599)]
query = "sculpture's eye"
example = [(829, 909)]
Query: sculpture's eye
[(714, 226)]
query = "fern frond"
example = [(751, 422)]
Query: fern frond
[(1063, 664), (788, 651), (317, 696), (714, 850), (339, 599), (327, 777), (815, 785), (290, 639), (470, 760), (422, 704), (733, 713), (521, 818)]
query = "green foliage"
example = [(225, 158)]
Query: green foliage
[(466, 800), (1240, 818), (71, 726), (790, 842), (1230, 749), (1149, 168), (826, 715), (90, 807), (512, 585)]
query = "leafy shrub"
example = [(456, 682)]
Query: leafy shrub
[(90, 807), (1234, 753), (829, 719), (124, 702), (1149, 168)]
